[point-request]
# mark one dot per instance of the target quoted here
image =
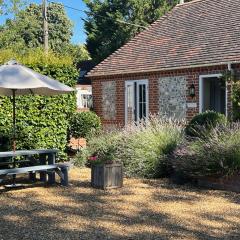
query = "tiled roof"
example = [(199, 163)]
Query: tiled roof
[(196, 33)]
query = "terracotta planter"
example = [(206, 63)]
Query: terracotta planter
[(107, 176)]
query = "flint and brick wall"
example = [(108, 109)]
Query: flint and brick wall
[(172, 97), (111, 107), (109, 100)]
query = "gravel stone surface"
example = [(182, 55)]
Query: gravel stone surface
[(142, 209)]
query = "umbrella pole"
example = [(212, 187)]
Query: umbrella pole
[(14, 132), (14, 120), (14, 185)]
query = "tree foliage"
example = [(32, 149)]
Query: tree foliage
[(26, 29), (10, 6), (78, 53), (104, 27), (42, 122)]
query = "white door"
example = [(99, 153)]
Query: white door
[(136, 101)]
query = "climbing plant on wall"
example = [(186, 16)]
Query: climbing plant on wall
[(233, 78)]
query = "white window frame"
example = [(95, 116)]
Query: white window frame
[(201, 79), (142, 81), (80, 92)]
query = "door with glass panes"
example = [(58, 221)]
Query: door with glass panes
[(136, 101)]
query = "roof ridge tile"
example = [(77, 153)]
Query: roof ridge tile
[(191, 2)]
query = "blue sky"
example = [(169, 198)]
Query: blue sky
[(79, 35)]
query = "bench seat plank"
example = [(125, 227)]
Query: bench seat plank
[(60, 169), (27, 169)]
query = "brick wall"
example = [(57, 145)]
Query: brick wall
[(191, 75), (77, 143)]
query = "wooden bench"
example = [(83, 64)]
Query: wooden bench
[(60, 169)]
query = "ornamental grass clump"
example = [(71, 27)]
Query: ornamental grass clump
[(216, 155), (145, 148)]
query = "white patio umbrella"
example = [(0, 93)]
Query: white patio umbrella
[(16, 79)]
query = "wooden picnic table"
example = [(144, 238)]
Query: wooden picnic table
[(47, 158)]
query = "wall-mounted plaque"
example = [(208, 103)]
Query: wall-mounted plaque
[(192, 105)]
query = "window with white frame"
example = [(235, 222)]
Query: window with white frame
[(84, 98)]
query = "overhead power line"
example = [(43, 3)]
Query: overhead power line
[(80, 10), (66, 6)]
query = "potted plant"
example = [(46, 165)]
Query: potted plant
[(106, 173)]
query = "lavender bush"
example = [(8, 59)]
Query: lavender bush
[(218, 154), (143, 148)]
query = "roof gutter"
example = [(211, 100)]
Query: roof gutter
[(229, 64)]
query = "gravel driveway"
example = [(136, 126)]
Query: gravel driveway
[(143, 209)]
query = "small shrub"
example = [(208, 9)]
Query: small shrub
[(81, 158), (216, 155), (83, 124), (104, 146), (204, 121)]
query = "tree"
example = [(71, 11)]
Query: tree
[(10, 6), (78, 53), (26, 31), (104, 25)]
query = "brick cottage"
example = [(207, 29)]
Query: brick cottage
[(172, 68)]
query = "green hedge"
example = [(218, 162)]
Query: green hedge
[(42, 122)]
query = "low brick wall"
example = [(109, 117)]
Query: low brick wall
[(77, 143), (225, 183)]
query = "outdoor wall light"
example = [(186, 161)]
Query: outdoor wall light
[(191, 91)]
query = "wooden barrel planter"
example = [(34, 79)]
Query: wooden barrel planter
[(107, 176)]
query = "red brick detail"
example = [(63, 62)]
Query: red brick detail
[(77, 143)]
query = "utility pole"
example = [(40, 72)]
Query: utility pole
[(45, 26)]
